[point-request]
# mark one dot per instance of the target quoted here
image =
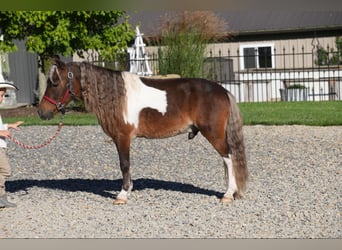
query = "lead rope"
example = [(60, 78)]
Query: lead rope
[(48, 141)]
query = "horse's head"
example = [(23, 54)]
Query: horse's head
[(60, 89)]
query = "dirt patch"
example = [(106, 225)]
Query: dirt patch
[(27, 111), (19, 112)]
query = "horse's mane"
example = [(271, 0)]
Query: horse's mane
[(104, 93)]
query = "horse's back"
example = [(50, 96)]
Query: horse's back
[(192, 92), (189, 89), (185, 84)]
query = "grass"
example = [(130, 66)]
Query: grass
[(290, 113), (275, 113)]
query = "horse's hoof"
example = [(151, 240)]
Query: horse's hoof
[(120, 202), (227, 200)]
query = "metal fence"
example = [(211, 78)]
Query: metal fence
[(266, 75)]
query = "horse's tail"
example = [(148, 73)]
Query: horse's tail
[(236, 146)]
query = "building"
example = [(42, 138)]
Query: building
[(269, 52)]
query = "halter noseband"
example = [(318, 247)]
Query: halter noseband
[(61, 105)]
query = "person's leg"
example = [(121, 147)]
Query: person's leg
[(5, 172)]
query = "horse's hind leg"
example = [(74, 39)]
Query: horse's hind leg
[(228, 197), (217, 138)]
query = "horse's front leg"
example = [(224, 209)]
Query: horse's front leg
[(123, 147)]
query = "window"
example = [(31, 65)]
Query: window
[(256, 56)]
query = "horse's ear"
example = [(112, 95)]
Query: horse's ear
[(56, 61), (56, 66)]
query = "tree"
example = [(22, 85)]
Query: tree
[(184, 37), (66, 32), (330, 56)]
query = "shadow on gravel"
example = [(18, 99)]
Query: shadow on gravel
[(104, 187)]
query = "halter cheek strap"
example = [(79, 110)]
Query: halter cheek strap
[(70, 76)]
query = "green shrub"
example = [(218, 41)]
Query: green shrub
[(296, 86)]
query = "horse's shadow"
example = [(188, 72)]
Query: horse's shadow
[(105, 187)]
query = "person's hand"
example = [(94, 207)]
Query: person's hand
[(5, 133), (15, 125)]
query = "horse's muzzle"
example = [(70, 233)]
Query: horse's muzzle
[(45, 115)]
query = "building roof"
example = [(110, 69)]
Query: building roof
[(265, 21), (253, 22)]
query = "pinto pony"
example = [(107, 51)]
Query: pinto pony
[(128, 106)]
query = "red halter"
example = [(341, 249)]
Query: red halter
[(61, 105)]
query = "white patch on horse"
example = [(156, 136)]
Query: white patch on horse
[(232, 187), (140, 96), (123, 195)]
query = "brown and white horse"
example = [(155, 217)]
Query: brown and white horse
[(128, 106)]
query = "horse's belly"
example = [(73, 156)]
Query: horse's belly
[(153, 124), (155, 132)]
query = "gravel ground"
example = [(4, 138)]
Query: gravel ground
[(66, 189)]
